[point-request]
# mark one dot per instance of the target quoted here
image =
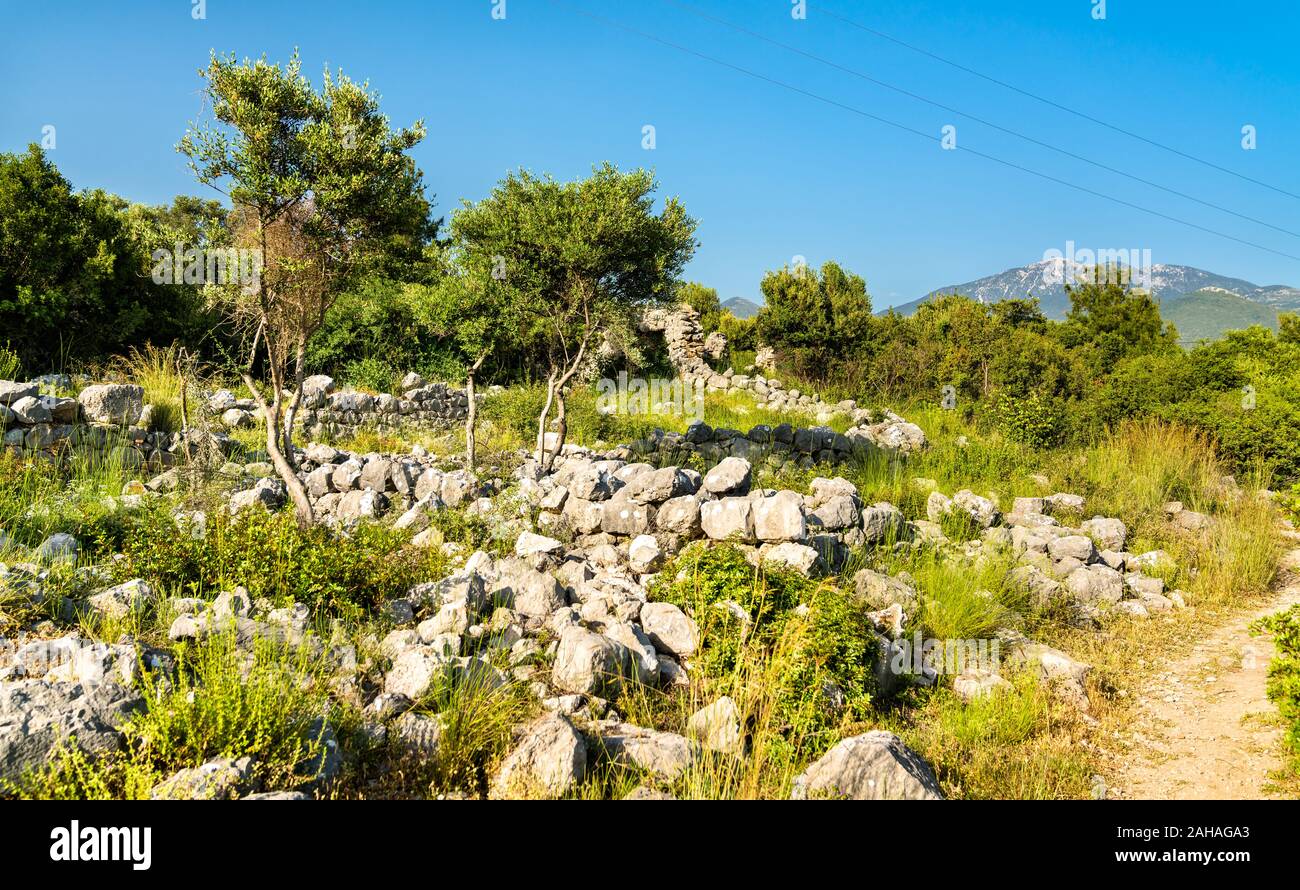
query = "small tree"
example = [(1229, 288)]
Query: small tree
[(322, 190), (1114, 318), (815, 319), (573, 260), (476, 312)]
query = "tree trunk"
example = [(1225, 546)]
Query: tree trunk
[(471, 414), (293, 406), (546, 411), (561, 429), (556, 392), (274, 437)]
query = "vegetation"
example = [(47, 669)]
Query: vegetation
[(1284, 677), (538, 286), (325, 198), (575, 261)]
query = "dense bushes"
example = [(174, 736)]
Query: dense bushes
[(272, 557), (1284, 676), (75, 280), (1039, 382), (794, 651)]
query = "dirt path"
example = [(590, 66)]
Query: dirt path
[(1206, 729)]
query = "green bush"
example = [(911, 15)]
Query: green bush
[(271, 556), (802, 645), (1284, 676), (1034, 420), (216, 704), (371, 373)]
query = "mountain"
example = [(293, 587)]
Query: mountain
[(1207, 313), (1212, 312), (740, 307)]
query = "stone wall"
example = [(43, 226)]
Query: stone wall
[(327, 411), (103, 416), (687, 350), (781, 446)]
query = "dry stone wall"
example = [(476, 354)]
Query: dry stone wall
[(688, 350), (102, 416), (328, 411)]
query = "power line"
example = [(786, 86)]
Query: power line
[(1057, 105), (1030, 139), (862, 113)]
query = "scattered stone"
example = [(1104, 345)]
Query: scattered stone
[(549, 761), (873, 766), (717, 727)]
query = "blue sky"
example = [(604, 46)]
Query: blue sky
[(769, 173)]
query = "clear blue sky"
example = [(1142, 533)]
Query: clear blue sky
[(768, 173)]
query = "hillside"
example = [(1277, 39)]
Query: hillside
[(1212, 312), (740, 307), (1205, 314)]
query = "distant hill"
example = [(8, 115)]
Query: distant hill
[(740, 307), (1212, 311), (1205, 314)]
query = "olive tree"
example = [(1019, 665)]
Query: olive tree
[(572, 261), (475, 313), (322, 189)]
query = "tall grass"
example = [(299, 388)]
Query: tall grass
[(41, 494), (219, 702), (1019, 744), (10, 364), (161, 371)]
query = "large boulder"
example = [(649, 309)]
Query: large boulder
[(780, 517), (588, 663), (1077, 547), (880, 591), (731, 518), (1110, 534), (11, 391), (882, 522), (665, 754), (1096, 584), (680, 516), (621, 516), (717, 727), (872, 766), (550, 760), (526, 590), (119, 403), (36, 716), (414, 671), (123, 599), (221, 779), (658, 486), (670, 629), (982, 510), (732, 476), (797, 557)]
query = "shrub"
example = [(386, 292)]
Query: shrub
[(802, 656), (218, 705), (1284, 676), (1034, 420), (220, 702), (271, 556), (371, 373)]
